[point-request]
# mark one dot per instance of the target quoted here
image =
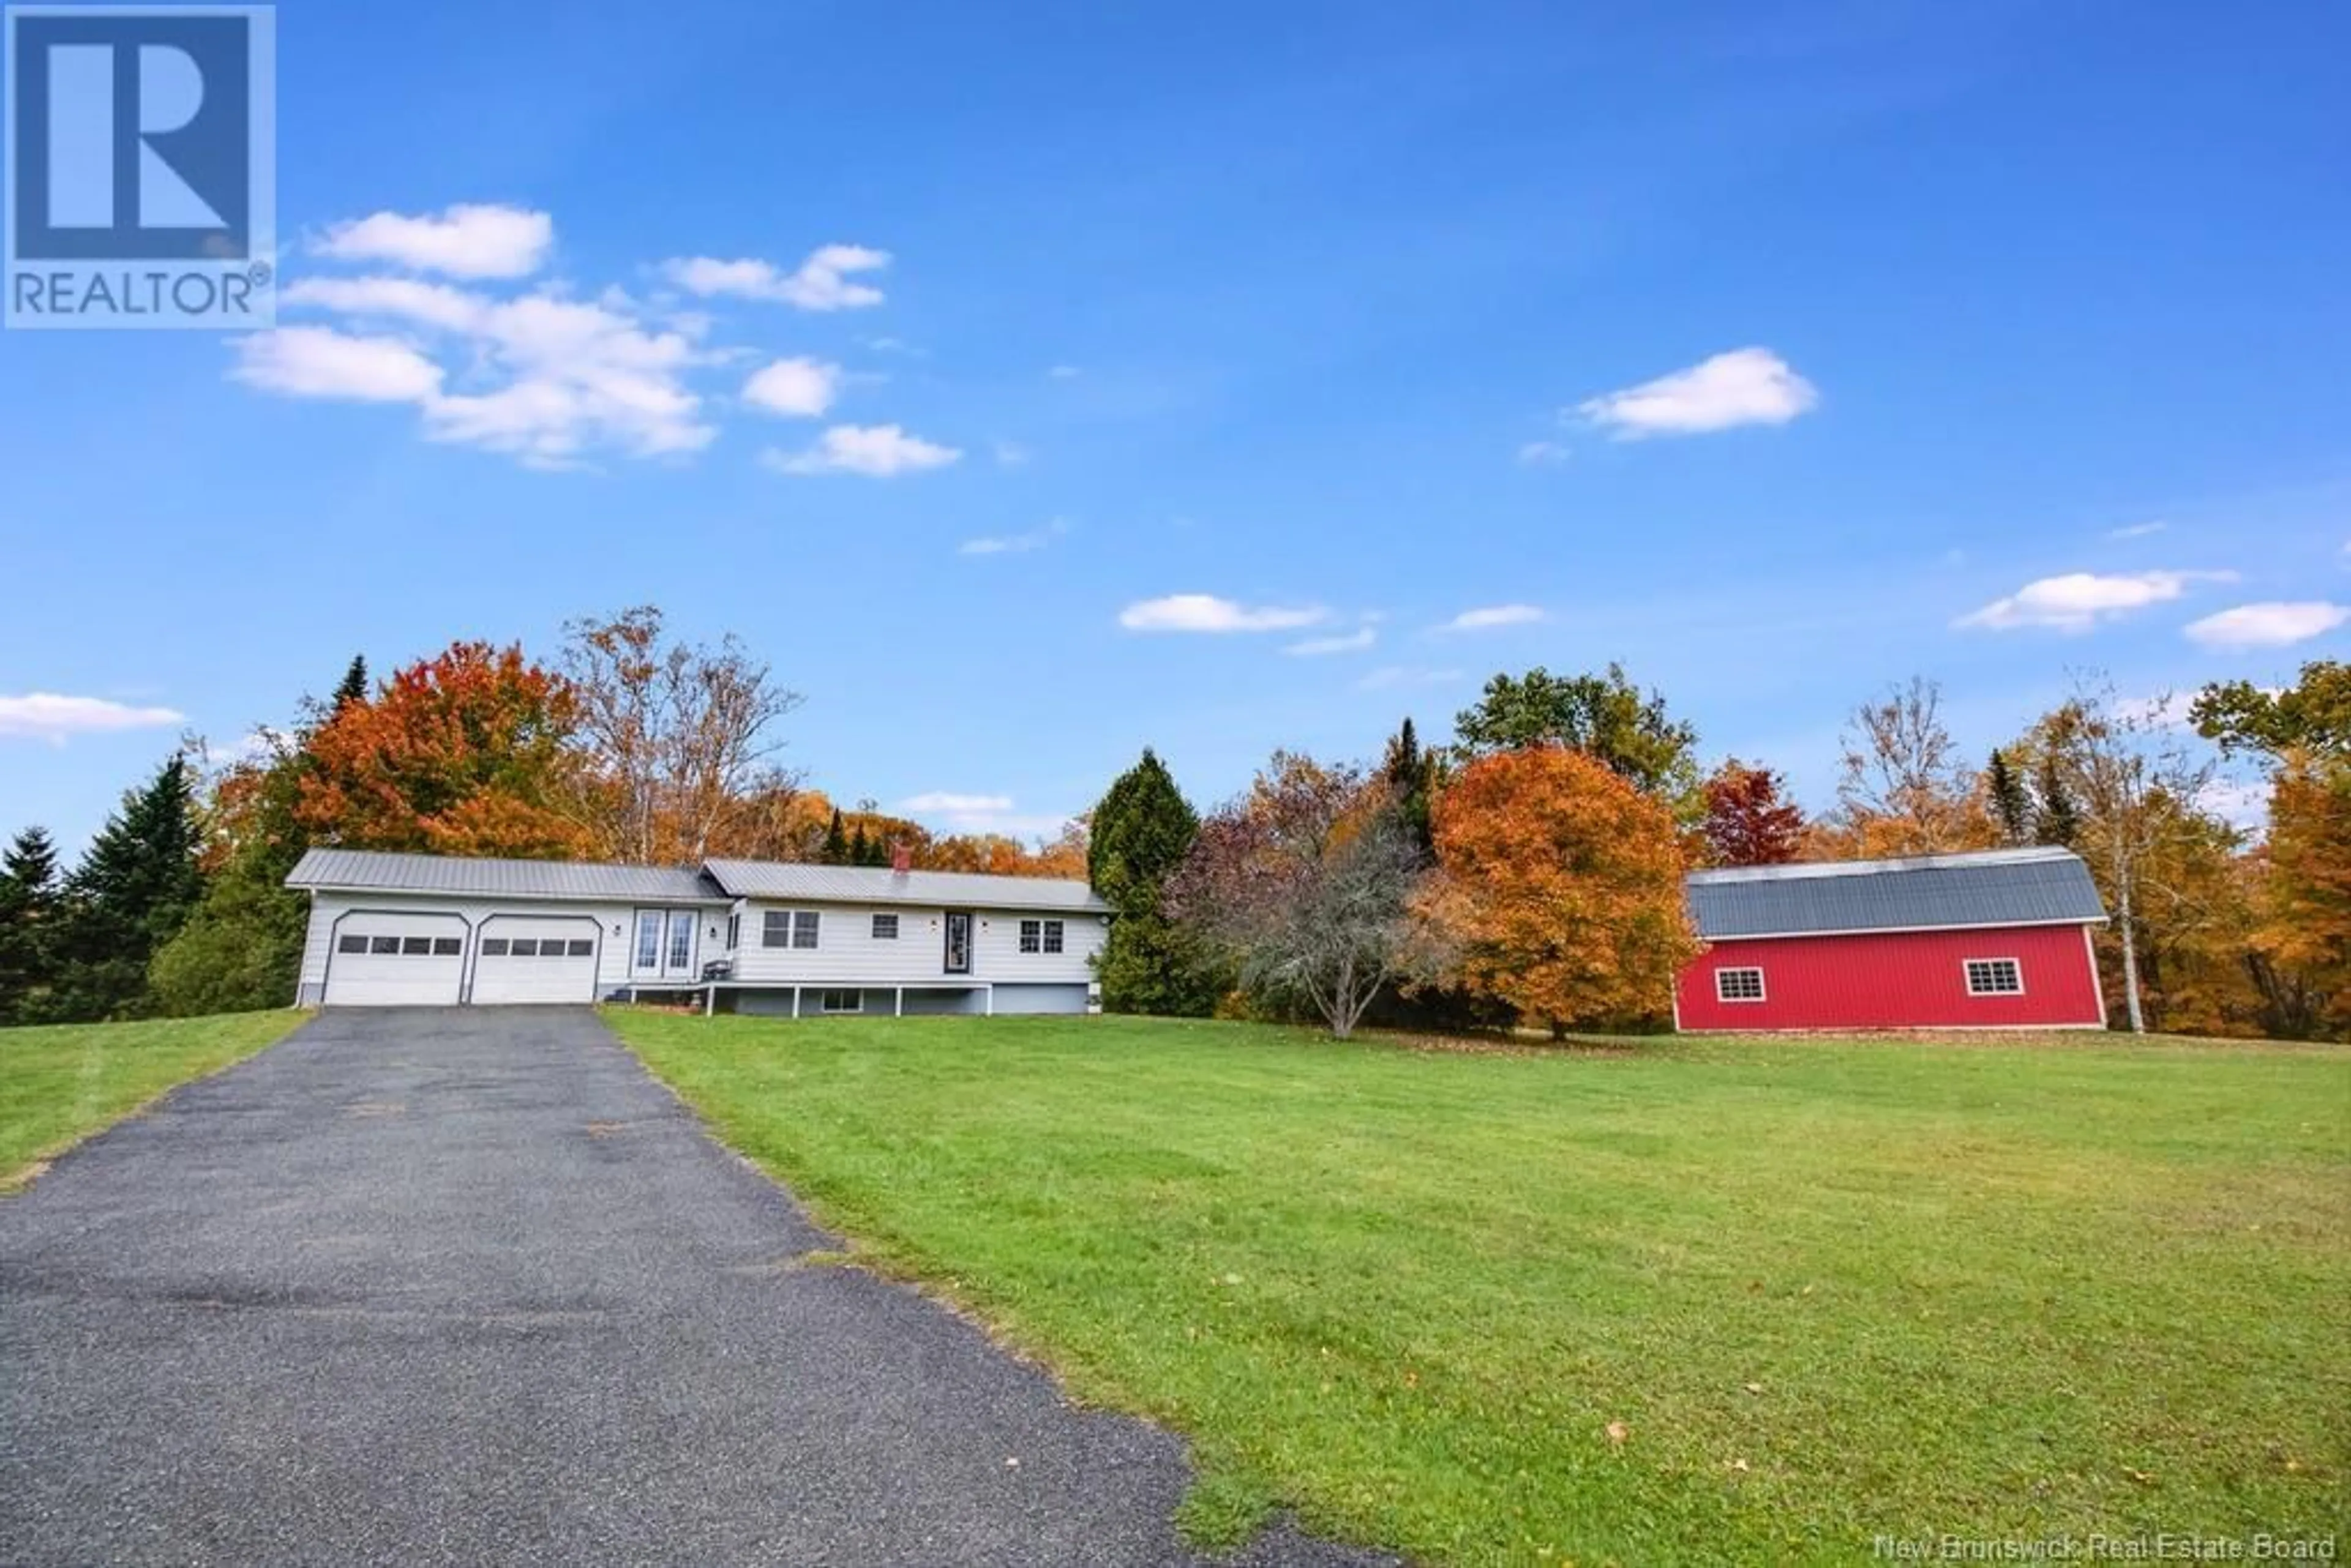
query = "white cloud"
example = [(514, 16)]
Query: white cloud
[(46, 716), (1489, 617), (820, 283), (1015, 544), (2240, 805), (877, 451), (2136, 530), (1206, 613), (318, 362), (1322, 647), (1064, 372), (402, 299), (2078, 601), (1745, 386), (796, 388), (2273, 624), (1543, 453), (948, 800), (1391, 677), (464, 241)]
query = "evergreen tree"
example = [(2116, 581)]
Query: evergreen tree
[(132, 892), (29, 903), (2012, 802), (860, 851), (1139, 835), (1411, 772), (2059, 822), (836, 843), (354, 687)]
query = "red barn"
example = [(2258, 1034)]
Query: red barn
[(1996, 940)]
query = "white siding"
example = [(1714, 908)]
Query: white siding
[(847, 951), (616, 926)]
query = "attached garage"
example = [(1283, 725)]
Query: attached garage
[(384, 958), (536, 959)]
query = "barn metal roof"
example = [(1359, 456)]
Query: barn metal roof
[(371, 871), (1995, 887), (873, 884)]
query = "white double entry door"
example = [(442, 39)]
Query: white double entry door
[(663, 946)]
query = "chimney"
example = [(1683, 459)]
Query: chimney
[(901, 859)]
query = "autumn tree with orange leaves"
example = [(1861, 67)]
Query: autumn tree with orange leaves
[(466, 753), (1750, 821), (1560, 887)]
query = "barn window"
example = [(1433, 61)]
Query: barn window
[(844, 1001), (494, 947), (886, 928), (351, 944), (1739, 985), (1995, 977)]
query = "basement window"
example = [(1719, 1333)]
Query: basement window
[(844, 1001), (1739, 985), (1995, 977)]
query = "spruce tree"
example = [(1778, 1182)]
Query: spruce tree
[(1411, 774), (354, 685), (132, 892), (2059, 822), (1138, 836), (2011, 803), (860, 852), (28, 905), (836, 843)]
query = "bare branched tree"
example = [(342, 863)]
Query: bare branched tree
[(684, 737), (1906, 790)]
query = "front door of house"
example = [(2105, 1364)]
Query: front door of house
[(664, 946), (958, 954)]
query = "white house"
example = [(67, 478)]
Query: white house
[(402, 930)]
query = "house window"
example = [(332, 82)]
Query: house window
[(1739, 985), (383, 944), (494, 947), (1053, 936), (649, 938), (844, 1001), (1032, 935), (351, 944), (734, 931), (681, 938), (776, 928), (1995, 977), (804, 927), (446, 947), (886, 928)]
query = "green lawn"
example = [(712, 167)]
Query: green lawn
[(1829, 1290), (59, 1084)]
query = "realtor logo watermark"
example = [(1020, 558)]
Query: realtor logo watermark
[(142, 166)]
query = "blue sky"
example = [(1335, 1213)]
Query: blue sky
[(1778, 351)]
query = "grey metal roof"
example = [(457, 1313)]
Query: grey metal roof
[(1996, 887), (371, 871), (870, 884)]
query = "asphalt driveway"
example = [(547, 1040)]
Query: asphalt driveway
[(468, 1287)]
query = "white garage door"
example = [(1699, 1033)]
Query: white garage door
[(396, 961), (550, 958)]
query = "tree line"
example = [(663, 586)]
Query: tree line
[(631, 746), (1532, 871)]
